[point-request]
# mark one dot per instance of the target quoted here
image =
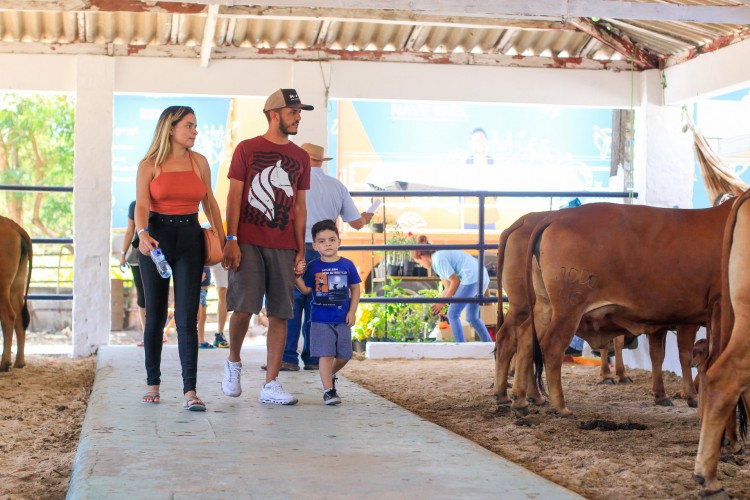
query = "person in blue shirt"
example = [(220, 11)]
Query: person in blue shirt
[(335, 286), (460, 274)]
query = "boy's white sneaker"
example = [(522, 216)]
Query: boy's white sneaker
[(274, 393), (230, 385)]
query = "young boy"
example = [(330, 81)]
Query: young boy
[(334, 282)]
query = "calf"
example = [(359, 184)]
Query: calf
[(15, 275)]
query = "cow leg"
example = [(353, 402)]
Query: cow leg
[(20, 343), (558, 337), (524, 379), (656, 343), (622, 376), (505, 349), (8, 320), (685, 342), (720, 387), (605, 373)]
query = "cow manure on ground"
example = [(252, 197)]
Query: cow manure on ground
[(608, 425)]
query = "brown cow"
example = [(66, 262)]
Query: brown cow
[(728, 376), (515, 326), (638, 268), (15, 275)]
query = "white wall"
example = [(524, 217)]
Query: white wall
[(709, 75)]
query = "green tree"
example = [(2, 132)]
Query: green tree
[(36, 148)]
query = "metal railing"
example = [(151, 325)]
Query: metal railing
[(44, 241), (480, 246)]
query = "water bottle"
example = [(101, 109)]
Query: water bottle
[(165, 270)]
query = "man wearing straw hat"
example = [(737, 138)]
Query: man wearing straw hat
[(327, 199)]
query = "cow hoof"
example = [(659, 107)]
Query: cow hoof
[(19, 365), (719, 494), (537, 402), (560, 413), (699, 479), (607, 381), (692, 402), (5, 367), (519, 412), (626, 380), (502, 400), (664, 402)]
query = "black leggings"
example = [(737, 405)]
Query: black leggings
[(181, 240), (140, 298)]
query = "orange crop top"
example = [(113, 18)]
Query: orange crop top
[(177, 193)]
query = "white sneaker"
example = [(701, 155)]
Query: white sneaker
[(274, 393), (230, 386)]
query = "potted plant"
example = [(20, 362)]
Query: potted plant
[(400, 262)]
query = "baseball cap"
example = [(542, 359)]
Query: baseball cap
[(285, 98), (316, 152)]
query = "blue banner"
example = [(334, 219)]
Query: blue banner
[(135, 121)]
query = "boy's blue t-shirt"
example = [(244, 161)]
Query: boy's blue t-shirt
[(330, 282)]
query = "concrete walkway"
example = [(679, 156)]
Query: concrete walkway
[(365, 448)]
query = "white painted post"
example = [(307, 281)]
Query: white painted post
[(92, 205), (669, 161)]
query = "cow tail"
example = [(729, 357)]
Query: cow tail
[(26, 247), (538, 358), (533, 251), (742, 417)]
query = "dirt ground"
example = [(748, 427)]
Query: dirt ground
[(42, 426), (42, 407), (656, 462)]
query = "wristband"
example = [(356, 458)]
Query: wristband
[(123, 253), (231, 238), (142, 230)]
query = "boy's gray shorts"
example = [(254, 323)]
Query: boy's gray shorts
[(330, 340)]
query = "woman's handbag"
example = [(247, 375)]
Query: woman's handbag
[(213, 247)]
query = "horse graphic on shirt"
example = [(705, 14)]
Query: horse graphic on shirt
[(261, 194)]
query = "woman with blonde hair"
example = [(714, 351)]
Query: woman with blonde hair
[(460, 274), (172, 182)]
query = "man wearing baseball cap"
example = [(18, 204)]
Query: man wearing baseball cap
[(327, 199), (266, 214)]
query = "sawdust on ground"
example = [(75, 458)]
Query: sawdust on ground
[(655, 462)]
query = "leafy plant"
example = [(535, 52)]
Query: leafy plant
[(394, 321)]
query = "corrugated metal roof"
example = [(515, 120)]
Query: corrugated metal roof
[(140, 29)]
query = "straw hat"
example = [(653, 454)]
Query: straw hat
[(316, 152)]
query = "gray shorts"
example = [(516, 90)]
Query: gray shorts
[(330, 340), (221, 276), (263, 272)]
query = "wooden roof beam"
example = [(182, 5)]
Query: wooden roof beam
[(641, 58), (209, 31)]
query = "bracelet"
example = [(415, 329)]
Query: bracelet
[(231, 238), (142, 230), (123, 252)]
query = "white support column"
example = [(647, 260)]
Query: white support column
[(310, 80), (92, 209), (665, 151)]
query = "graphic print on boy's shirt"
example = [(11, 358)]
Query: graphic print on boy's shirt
[(331, 287)]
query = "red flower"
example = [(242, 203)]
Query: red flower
[(410, 233)]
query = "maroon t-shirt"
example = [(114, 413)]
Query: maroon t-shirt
[(272, 174)]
